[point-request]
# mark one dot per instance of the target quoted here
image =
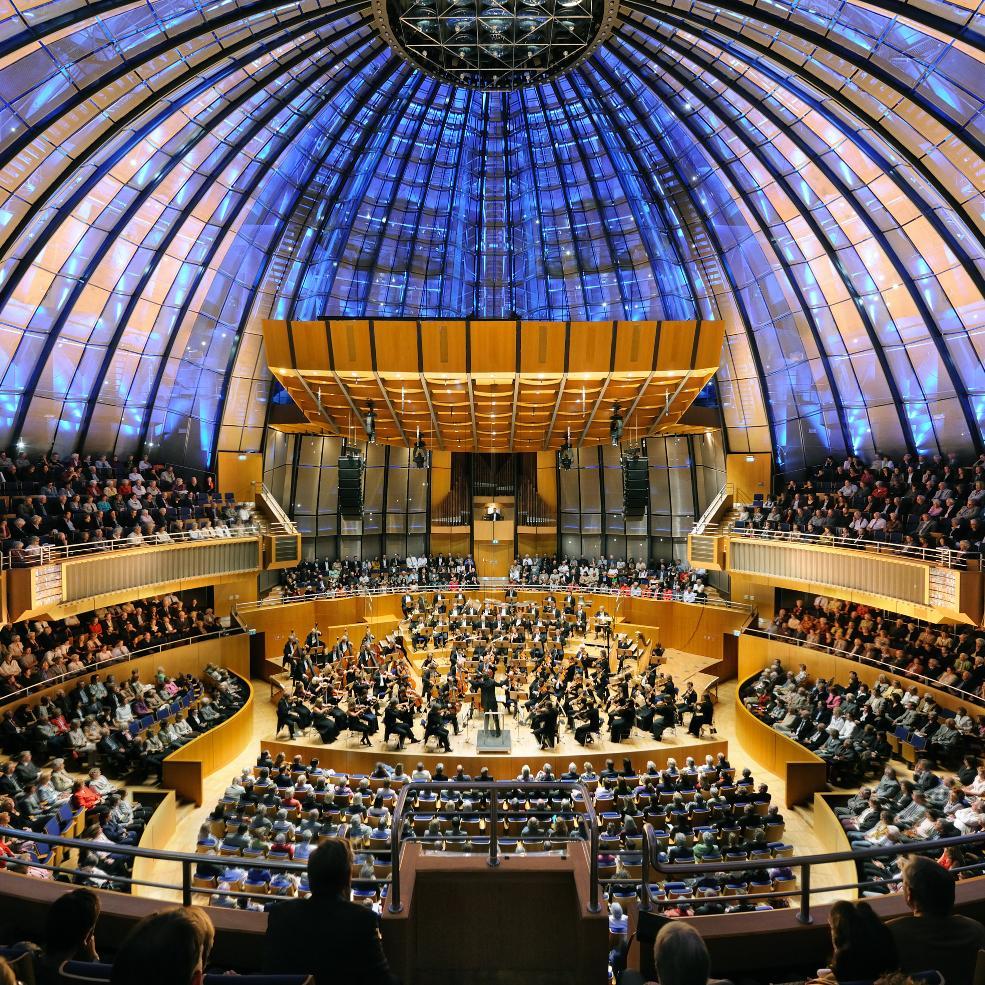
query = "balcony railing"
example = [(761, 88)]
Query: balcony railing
[(492, 585), (672, 871), (944, 557), (55, 554)]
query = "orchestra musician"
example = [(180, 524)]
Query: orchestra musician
[(398, 720), (435, 725), (591, 721), (544, 721)]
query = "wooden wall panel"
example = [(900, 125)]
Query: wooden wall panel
[(157, 835), (440, 477), (591, 347), (635, 341), (395, 345), (350, 345), (443, 346), (310, 340), (749, 477), (237, 471), (542, 346), (276, 346), (832, 836), (493, 346), (186, 769)]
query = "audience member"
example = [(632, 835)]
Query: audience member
[(170, 947), (933, 937), (349, 946)]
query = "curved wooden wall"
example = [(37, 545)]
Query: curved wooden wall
[(804, 773), (186, 769), (361, 761)]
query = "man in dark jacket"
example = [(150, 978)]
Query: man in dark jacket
[(349, 948)]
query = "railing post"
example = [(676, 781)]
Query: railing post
[(804, 914), (494, 827), (393, 900), (593, 870), (186, 883)]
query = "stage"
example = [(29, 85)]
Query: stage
[(347, 754)]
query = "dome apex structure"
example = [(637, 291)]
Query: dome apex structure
[(495, 44)]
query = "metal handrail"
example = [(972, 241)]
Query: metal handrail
[(115, 661), (492, 585), (54, 553), (802, 862), (493, 789), (943, 557), (282, 523), (706, 518), (889, 668), (187, 860)]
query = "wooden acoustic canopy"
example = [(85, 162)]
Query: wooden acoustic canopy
[(477, 385)]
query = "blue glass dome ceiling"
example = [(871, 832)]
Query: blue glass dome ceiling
[(172, 173)]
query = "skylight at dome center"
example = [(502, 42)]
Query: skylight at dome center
[(495, 44)]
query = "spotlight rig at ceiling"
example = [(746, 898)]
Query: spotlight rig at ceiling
[(495, 44)]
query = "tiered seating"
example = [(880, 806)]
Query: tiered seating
[(855, 728), (102, 505), (945, 657), (36, 654), (917, 505), (320, 577), (304, 804)]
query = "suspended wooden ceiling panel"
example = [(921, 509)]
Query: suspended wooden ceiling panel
[(475, 385)]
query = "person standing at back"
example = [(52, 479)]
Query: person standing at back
[(349, 948), (933, 937)]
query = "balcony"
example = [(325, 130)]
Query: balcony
[(73, 582), (932, 585)]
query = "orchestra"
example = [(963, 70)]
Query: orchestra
[(552, 661)]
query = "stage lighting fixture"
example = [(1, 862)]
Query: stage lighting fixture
[(615, 427), (369, 423), (566, 456), (420, 452)]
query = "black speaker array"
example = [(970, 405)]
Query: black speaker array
[(351, 486), (635, 486)]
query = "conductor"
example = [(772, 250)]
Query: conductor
[(486, 686)]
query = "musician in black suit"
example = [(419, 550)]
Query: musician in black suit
[(435, 725), (544, 722), (349, 946), (395, 723), (486, 686), (591, 723)]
